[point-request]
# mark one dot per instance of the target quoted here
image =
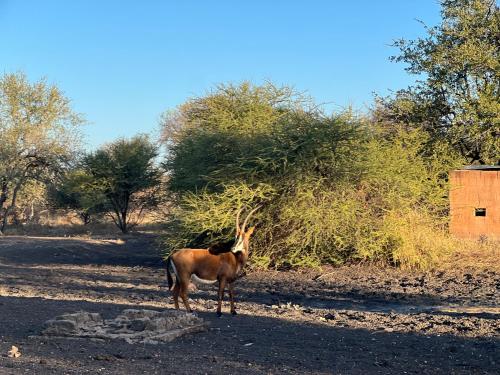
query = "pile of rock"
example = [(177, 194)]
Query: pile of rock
[(133, 326)]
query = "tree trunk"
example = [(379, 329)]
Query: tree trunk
[(124, 213), (85, 216), (123, 221), (3, 198), (31, 215), (3, 194), (12, 205)]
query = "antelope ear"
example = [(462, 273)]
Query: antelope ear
[(250, 231)]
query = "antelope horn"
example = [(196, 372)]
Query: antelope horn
[(238, 228), (248, 217)]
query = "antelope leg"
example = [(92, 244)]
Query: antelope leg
[(222, 285), (231, 298)]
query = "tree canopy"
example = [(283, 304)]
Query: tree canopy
[(457, 96), (38, 135), (210, 135), (125, 172)]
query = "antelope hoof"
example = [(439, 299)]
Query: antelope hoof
[(219, 314), (234, 312)]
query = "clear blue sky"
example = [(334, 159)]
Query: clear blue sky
[(125, 62)]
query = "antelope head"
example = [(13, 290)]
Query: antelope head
[(241, 242)]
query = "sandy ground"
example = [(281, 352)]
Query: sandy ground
[(349, 320)]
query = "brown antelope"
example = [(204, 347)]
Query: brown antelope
[(218, 263)]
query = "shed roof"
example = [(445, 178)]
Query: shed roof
[(481, 168)]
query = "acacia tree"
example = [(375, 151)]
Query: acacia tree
[(125, 173), (38, 136), (458, 97), (330, 187)]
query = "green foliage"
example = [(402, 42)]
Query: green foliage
[(416, 238), (458, 99), (221, 130), (331, 187), (406, 186), (125, 173), (205, 217)]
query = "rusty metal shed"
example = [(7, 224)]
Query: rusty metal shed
[(475, 202)]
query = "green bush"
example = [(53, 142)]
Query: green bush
[(76, 192), (333, 188)]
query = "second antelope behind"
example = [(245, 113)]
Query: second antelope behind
[(208, 266)]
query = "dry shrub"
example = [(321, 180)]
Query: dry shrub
[(63, 222), (482, 254), (420, 241)]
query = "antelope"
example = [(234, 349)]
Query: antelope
[(220, 262)]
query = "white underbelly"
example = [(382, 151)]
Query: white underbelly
[(196, 279)]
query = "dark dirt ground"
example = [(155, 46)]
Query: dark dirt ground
[(349, 320)]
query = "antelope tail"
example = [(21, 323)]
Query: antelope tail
[(169, 275)]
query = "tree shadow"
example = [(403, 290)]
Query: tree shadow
[(359, 300), (129, 251)]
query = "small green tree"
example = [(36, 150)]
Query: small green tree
[(38, 136), (125, 172), (76, 192), (457, 98)]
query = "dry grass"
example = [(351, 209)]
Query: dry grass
[(425, 244), (473, 254), (66, 223), (63, 230), (78, 230)]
